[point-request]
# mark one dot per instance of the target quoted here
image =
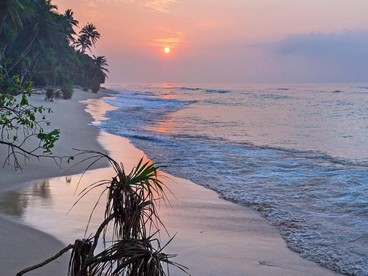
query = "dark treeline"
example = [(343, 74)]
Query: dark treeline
[(42, 45)]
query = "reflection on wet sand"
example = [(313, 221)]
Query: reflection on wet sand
[(48, 205), (42, 190), (14, 203)]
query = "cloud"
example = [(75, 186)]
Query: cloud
[(348, 46), (163, 6), (327, 57), (169, 38)]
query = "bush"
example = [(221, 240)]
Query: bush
[(95, 87), (58, 94), (67, 90), (50, 96)]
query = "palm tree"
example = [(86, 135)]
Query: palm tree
[(14, 12), (69, 14), (91, 32), (101, 64), (83, 43), (35, 48), (72, 22), (88, 36)]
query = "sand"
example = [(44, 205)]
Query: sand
[(21, 246), (213, 236)]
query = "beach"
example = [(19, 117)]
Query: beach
[(213, 236), (20, 245)]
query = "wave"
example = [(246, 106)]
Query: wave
[(220, 91), (190, 88), (316, 200)]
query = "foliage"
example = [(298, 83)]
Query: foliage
[(38, 45), (95, 88), (88, 36), (41, 45), (67, 89), (50, 95), (130, 211), (21, 122)]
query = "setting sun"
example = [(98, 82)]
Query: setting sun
[(167, 50)]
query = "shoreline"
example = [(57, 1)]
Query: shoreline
[(209, 228), (22, 245)]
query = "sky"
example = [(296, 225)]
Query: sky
[(232, 41)]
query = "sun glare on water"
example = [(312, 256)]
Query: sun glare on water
[(167, 50)]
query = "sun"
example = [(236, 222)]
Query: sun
[(167, 50)]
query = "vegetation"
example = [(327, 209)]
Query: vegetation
[(132, 215), (20, 121), (40, 47), (67, 90)]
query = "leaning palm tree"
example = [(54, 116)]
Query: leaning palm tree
[(130, 211), (14, 12)]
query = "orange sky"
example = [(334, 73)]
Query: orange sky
[(226, 41)]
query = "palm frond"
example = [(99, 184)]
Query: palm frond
[(135, 257), (79, 257)]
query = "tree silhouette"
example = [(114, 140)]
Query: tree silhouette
[(88, 37)]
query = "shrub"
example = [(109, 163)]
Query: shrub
[(50, 96), (67, 89), (58, 94), (95, 87)]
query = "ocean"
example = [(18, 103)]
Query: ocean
[(298, 154)]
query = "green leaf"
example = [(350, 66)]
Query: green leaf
[(24, 100)]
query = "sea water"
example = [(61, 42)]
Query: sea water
[(297, 154)]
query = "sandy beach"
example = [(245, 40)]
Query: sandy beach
[(213, 236), (20, 245)]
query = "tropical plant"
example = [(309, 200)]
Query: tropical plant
[(131, 213), (88, 37), (67, 89), (101, 68), (20, 122), (83, 43), (50, 94), (13, 13), (41, 45), (72, 22)]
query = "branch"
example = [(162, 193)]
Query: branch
[(98, 233), (15, 150), (28, 269)]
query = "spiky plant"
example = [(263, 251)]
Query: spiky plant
[(135, 257), (131, 210), (78, 258)]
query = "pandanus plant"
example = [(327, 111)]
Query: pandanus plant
[(131, 210)]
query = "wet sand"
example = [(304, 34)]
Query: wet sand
[(22, 246)]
